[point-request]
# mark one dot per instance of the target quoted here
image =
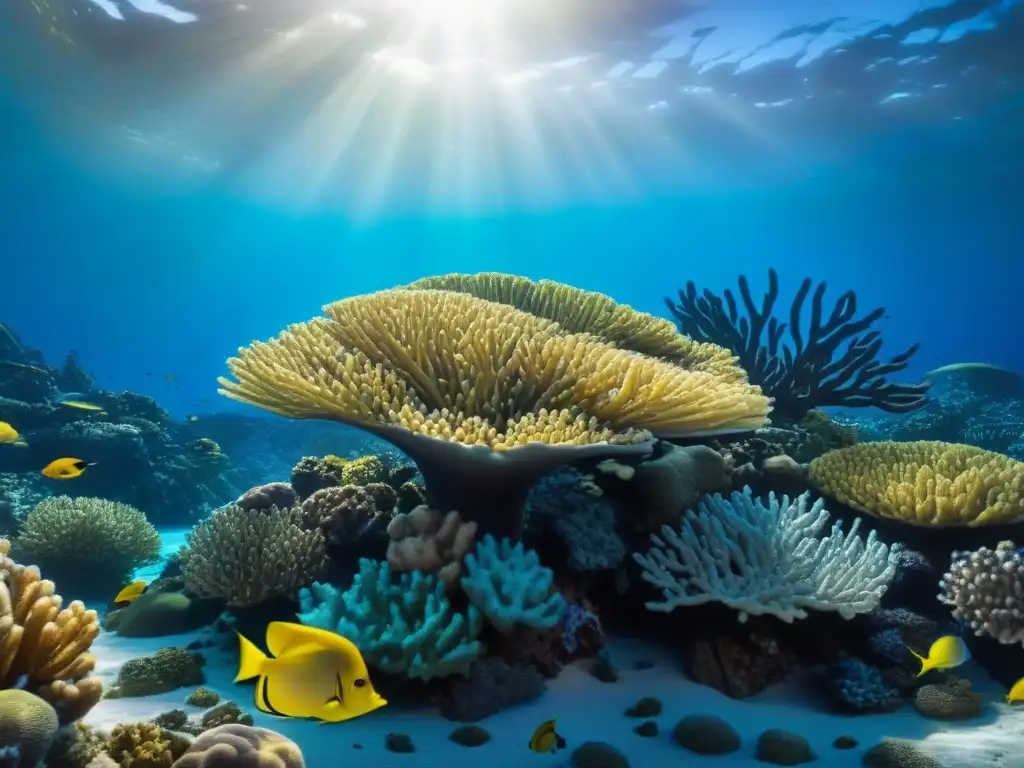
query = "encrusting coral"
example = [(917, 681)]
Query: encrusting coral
[(93, 544), (244, 558), (986, 590), (485, 398), (425, 540), (925, 483), (767, 560), (406, 627), (165, 670), (43, 648)]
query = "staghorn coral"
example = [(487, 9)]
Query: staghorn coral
[(986, 590), (140, 745), (93, 544), (485, 398), (43, 648), (408, 627), (925, 483), (808, 375), (580, 311), (770, 559), (241, 746), (244, 558), (424, 540)]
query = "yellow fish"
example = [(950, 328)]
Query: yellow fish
[(65, 469), (1016, 693), (131, 593), (546, 738), (947, 652), (8, 434), (310, 673), (81, 404)]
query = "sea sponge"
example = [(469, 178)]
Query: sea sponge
[(93, 544), (486, 399), (241, 746), (244, 558), (579, 311), (43, 648), (925, 483), (140, 745), (986, 590), (27, 728), (165, 670), (425, 540)]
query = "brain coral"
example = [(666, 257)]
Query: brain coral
[(241, 746), (926, 483), (486, 398)]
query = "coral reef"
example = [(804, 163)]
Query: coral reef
[(925, 483), (674, 480), (986, 591), (45, 648), (347, 515), (165, 670), (243, 558), (406, 627), (93, 544), (424, 540), (485, 398), (809, 374), (767, 559)]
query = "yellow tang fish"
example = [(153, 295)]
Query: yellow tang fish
[(65, 469), (8, 434), (1016, 693), (546, 738), (310, 673), (131, 593), (947, 652), (81, 404)]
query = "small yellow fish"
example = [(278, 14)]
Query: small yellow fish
[(131, 593), (65, 469), (81, 404), (8, 434), (546, 738), (1016, 693), (947, 652), (310, 673)]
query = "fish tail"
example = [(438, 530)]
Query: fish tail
[(925, 667), (251, 658)]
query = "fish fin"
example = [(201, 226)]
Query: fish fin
[(285, 636), (251, 658), (916, 654)]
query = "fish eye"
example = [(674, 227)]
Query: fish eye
[(359, 683)]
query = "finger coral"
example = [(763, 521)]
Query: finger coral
[(925, 483), (244, 558), (986, 591), (93, 544), (485, 398), (43, 648), (579, 311), (770, 559), (425, 540)]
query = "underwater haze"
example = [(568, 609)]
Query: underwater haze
[(591, 383)]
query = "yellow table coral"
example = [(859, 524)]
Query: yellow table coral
[(926, 483)]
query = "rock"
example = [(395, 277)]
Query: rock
[(647, 728), (399, 742), (783, 748), (603, 669), (492, 685), (737, 664), (156, 614), (896, 753), (597, 754), (845, 742), (706, 735), (648, 706), (470, 736), (952, 700)]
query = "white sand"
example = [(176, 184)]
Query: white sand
[(588, 710)]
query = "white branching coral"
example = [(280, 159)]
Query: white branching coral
[(767, 560), (986, 590)]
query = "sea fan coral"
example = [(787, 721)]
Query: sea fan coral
[(486, 398), (926, 483)]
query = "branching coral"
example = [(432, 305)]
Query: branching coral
[(986, 590), (579, 311), (43, 648), (244, 558), (140, 745), (808, 374), (924, 483), (406, 627), (767, 560), (485, 398), (425, 540), (92, 543)]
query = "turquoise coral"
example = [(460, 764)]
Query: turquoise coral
[(510, 586), (401, 627)]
